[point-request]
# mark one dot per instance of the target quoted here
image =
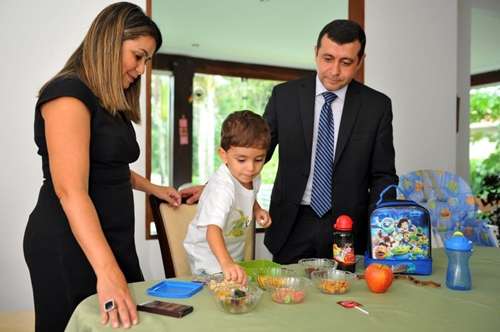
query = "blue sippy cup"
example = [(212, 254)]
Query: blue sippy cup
[(459, 250)]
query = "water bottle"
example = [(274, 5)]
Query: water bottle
[(459, 249), (343, 244)]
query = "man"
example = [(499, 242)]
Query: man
[(336, 150)]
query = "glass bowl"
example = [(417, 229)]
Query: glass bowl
[(292, 290), (237, 299), (332, 281), (273, 277), (314, 264)]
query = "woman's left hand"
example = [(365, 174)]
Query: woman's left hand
[(168, 194)]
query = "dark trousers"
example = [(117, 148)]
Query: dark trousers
[(311, 237)]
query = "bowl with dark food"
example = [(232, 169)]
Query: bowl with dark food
[(332, 281), (237, 299), (314, 264)]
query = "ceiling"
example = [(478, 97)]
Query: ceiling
[(284, 32), (272, 32)]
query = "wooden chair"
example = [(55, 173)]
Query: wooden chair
[(171, 228)]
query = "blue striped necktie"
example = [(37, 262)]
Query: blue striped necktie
[(321, 195)]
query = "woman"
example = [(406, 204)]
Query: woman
[(80, 236)]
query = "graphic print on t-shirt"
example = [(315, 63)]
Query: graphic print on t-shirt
[(239, 225)]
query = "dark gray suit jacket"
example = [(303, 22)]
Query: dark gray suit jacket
[(364, 157)]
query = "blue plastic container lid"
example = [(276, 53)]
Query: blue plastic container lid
[(458, 242), (175, 289)]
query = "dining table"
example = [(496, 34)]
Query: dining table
[(406, 306)]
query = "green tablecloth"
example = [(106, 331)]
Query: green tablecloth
[(405, 307)]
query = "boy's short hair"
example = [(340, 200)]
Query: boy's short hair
[(245, 129)]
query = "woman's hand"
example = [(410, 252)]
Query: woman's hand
[(111, 285), (192, 194), (168, 194)]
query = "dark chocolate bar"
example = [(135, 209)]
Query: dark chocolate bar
[(166, 308)]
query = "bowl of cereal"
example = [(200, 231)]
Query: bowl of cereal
[(273, 277), (332, 281), (237, 299), (292, 290), (314, 264)]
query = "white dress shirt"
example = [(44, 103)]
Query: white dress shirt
[(337, 107)]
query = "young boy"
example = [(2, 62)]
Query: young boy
[(216, 236)]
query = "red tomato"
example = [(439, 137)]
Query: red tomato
[(378, 277)]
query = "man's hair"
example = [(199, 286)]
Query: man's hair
[(98, 59), (245, 129), (343, 32)]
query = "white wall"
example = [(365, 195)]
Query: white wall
[(412, 57), (414, 63)]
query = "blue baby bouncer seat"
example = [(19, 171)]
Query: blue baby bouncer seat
[(451, 205)]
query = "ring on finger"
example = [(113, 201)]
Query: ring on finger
[(109, 305)]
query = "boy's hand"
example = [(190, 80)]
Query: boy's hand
[(234, 272), (262, 217)]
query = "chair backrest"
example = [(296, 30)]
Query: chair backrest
[(171, 227), (450, 202)]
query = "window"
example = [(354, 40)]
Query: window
[(484, 151), (161, 142)]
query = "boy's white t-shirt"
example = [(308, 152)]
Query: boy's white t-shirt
[(224, 202)]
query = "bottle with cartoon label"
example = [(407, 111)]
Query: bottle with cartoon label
[(343, 244)]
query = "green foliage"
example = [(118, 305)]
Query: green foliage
[(485, 107), (490, 196)]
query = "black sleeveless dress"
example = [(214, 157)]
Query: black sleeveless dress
[(61, 275)]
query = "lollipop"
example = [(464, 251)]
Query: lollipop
[(353, 304)]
